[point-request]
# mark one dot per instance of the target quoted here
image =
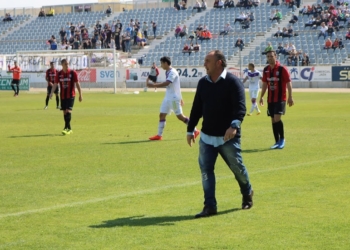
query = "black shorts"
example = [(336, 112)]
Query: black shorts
[(153, 78), (15, 81), (276, 108), (49, 88), (67, 104)]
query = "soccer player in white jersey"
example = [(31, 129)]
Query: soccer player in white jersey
[(254, 77), (172, 100)]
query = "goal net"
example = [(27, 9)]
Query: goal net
[(104, 68)]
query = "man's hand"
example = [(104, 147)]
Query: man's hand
[(290, 101), (230, 134), (190, 140), (51, 95), (50, 84), (182, 102), (80, 98), (261, 101)]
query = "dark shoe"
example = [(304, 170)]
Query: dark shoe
[(247, 200), (207, 211)]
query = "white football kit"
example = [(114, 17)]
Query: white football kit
[(254, 79), (172, 99)]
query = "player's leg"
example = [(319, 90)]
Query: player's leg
[(147, 81), (17, 86), (48, 91), (256, 94), (271, 113), (176, 107), (251, 94), (68, 117), (280, 109), (57, 99), (164, 110), (13, 87)]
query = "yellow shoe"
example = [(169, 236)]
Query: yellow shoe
[(69, 131), (258, 113), (64, 131), (249, 114)]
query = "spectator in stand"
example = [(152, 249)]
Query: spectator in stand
[(7, 18), (176, 5), (221, 4), (204, 5), (292, 60), (268, 48), (341, 45), (291, 5), (72, 30), (98, 27), (303, 11), (183, 5), (285, 50), (184, 31), (251, 16), (76, 44), (193, 36), (119, 25), (177, 30), (330, 31), (294, 19), (196, 47), (239, 44), (290, 32), (323, 31), (246, 23), (51, 12), (42, 13), (279, 33), (98, 42), (127, 39), (67, 29), (109, 10), (145, 30), (240, 18), (328, 44), (277, 17), (197, 6), (226, 30), (240, 3), (335, 44), (311, 22), (206, 35), (216, 4), (62, 34), (134, 34), (256, 3), (229, 4), (292, 50), (141, 41), (248, 4), (279, 49), (154, 28), (275, 3), (305, 61), (63, 46), (186, 49), (336, 25)]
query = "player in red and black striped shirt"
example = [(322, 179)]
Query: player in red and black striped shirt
[(68, 81), (276, 79), (50, 78)]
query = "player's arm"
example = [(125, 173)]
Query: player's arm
[(54, 86), (79, 90), (263, 90), (245, 79), (290, 97), (159, 85)]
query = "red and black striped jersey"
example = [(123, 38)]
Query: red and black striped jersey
[(276, 79), (51, 75), (67, 81)]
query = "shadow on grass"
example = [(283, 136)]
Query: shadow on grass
[(142, 221), (256, 150), (28, 136), (132, 142)]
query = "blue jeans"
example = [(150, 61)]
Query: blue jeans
[(231, 153)]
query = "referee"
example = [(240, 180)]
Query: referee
[(50, 78), (16, 70), (153, 74)]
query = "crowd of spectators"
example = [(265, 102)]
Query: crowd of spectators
[(221, 4), (50, 13)]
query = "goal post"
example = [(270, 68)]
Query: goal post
[(102, 68)]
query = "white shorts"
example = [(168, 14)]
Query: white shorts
[(254, 94), (171, 106)]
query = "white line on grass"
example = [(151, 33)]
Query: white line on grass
[(158, 189)]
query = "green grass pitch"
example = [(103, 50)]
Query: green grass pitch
[(107, 187)]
